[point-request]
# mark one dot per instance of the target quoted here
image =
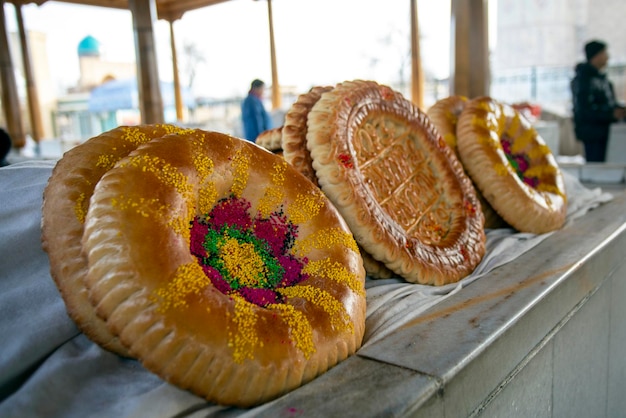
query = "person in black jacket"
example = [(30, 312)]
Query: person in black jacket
[(595, 107), (5, 147)]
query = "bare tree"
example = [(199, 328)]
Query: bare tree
[(193, 57)]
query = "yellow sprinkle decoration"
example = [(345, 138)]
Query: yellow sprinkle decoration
[(501, 169), (207, 196), (106, 161), (539, 151), (339, 318), (521, 142), (165, 172), (299, 328), (336, 272), (540, 171), (241, 165), (135, 136), (187, 279), (80, 208), (242, 261), (514, 125), (274, 194), (450, 139), (305, 207), (324, 239), (245, 338), (203, 165)]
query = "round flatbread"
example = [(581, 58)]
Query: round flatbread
[(395, 181), (444, 114), (512, 166), (222, 269), (294, 147), (271, 140), (65, 204)]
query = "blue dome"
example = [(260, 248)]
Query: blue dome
[(89, 46)]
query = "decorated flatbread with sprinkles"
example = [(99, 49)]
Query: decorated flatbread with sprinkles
[(222, 269), (444, 114), (512, 166), (65, 204), (398, 185)]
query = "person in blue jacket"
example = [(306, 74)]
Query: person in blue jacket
[(253, 114), (595, 106)]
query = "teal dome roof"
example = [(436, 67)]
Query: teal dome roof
[(89, 46)]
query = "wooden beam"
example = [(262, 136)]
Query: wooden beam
[(417, 75), (470, 67), (10, 99), (34, 110), (178, 98), (276, 96), (150, 101)]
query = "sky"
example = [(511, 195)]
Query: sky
[(317, 41)]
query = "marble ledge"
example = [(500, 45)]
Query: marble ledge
[(453, 356)]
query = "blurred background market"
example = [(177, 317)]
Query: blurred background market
[(75, 66)]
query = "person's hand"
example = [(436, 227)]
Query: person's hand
[(619, 113)]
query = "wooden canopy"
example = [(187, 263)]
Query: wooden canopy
[(470, 65), (169, 10)]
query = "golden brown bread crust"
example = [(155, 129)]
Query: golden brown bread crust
[(395, 181), (271, 139), (151, 288), (66, 199), (512, 166), (294, 132), (444, 114)]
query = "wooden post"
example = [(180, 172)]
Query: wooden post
[(177, 93), (150, 101), (276, 96), (34, 108), (417, 75), (470, 43), (10, 99)]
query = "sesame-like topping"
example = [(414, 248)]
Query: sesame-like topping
[(300, 329), (135, 136), (450, 139), (273, 194), (204, 166), (106, 161), (540, 171), (513, 126), (324, 239), (501, 169), (305, 207), (80, 208), (522, 141), (242, 261), (187, 279), (336, 272), (165, 172), (241, 166), (539, 151), (207, 196), (339, 318), (245, 338)]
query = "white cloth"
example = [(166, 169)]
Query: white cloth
[(49, 369)]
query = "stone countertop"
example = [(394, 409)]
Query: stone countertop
[(455, 355)]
